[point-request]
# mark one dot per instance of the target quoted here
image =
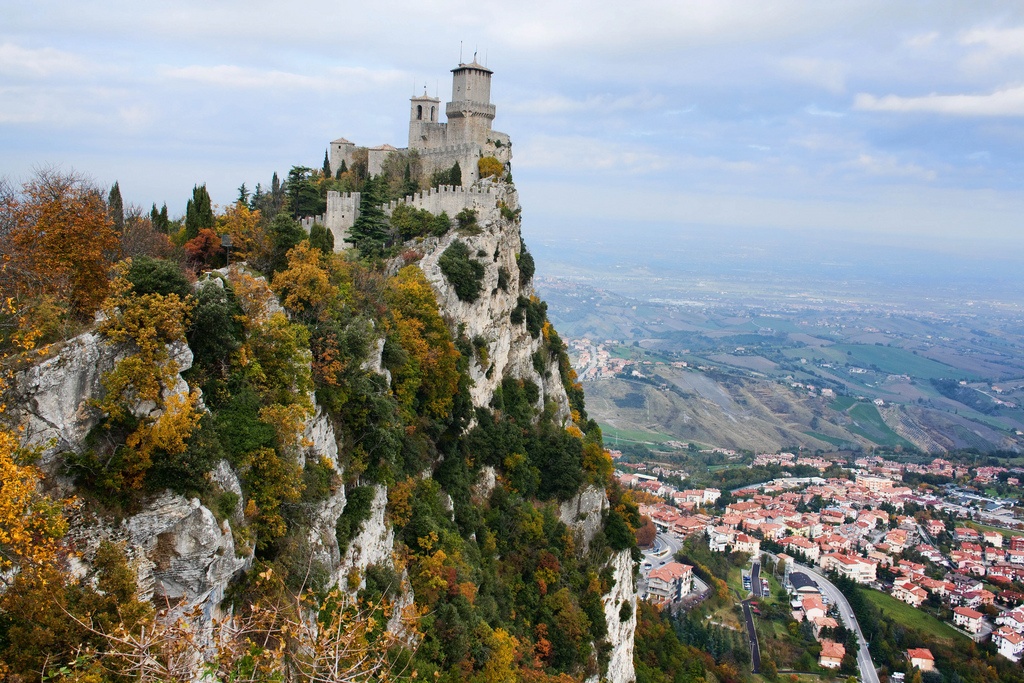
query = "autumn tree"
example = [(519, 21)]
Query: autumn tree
[(427, 378), (145, 325), (250, 240), (58, 246)]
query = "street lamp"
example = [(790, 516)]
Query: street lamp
[(225, 241)]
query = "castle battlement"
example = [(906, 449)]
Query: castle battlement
[(465, 138)]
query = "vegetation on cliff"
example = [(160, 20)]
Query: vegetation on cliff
[(503, 590)]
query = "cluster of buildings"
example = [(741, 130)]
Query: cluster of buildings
[(856, 528), (809, 605), (593, 360)]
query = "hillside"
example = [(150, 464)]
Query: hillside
[(370, 463)]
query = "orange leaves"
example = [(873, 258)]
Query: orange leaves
[(202, 248), (305, 287), (61, 242), (31, 525)]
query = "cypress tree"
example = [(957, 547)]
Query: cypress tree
[(198, 212), (285, 233), (154, 218), (321, 238), (455, 175), (327, 165), (165, 222), (115, 207)]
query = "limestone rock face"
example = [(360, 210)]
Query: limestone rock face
[(182, 553), (621, 633), (372, 545), (584, 514), (510, 347), (51, 400)]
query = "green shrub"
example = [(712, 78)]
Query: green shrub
[(464, 273), (527, 267), (358, 505), (467, 222)]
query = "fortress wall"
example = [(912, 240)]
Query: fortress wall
[(449, 199)]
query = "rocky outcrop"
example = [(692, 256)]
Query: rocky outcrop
[(584, 514), (621, 600), (52, 402), (374, 543), (510, 347)]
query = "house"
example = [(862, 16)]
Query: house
[(746, 544), (831, 654), (967, 619), (922, 658), (809, 549), (909, 593), (670, 582), (993, 538), (850, 566), (1013, 618), (822, 622), (1008, 643), (935, 527), (813, 607)]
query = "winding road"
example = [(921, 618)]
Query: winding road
[(868, 674), (755, 649)]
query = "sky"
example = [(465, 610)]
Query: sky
[(879, 123)]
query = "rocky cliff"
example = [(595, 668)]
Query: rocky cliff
[(184, 550)]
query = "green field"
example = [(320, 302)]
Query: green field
[(1007, 533), (835, 441), (843, 403), (912, 617), (632, 435), (873, 427), (888, 359)]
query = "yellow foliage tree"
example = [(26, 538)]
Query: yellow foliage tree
[(490, 166), (430, 375), (249, 240), (147, 325)]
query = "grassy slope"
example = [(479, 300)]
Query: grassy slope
[(912, 617)]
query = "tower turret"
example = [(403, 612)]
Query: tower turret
[(424, 129), (470, 112)]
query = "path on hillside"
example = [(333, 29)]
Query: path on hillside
[(755, 651), (868, 674)]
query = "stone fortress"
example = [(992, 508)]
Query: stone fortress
[(465, 138)]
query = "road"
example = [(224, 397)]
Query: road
[(755, 579), (755, 650), (868, 674)]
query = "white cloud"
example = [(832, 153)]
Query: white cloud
[(815, 110), (42, 63), (249, 78), (923, 40), (824, 73), (560, 104), (888, 165), (1001, 41), (1006, 102)]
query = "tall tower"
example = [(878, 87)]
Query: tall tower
[(424, 129), (470, 112)]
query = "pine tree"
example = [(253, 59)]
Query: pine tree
[(198, 212), (371, 230), (115, 207), (327, 165), (285, 233), (342, 169), (243, 194)]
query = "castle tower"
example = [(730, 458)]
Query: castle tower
[(424, 129), (470, 112)]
